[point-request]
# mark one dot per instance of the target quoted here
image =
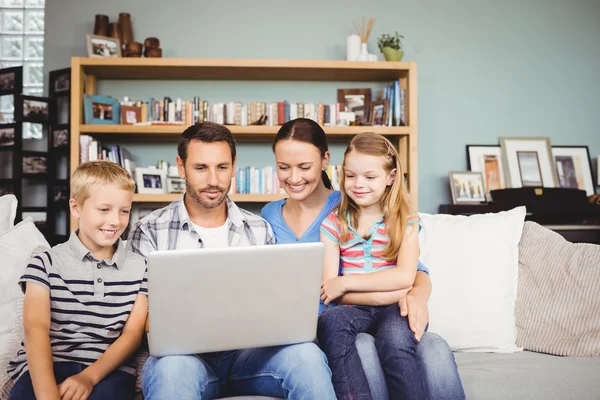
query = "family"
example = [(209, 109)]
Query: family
[(85, 311)]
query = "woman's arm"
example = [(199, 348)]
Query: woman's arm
[(391, 279), (414, 305), (373, 298), (115, 355), (36, 323)]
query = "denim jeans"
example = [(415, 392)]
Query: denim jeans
[(118, 385), (297, 371), (441, 372), (396, 347)]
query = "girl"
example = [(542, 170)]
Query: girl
[(374, 236), (302, 153)]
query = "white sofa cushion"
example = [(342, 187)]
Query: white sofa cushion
[(16, 246), (473, 261), (8, 212)]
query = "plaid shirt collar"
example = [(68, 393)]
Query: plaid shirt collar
[(234, 214)]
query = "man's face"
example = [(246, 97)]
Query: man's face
[(207, 172)]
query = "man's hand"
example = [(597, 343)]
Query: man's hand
[(76, 387), (332, 289), (418, 314)]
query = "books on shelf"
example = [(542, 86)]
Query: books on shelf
[(91, 149)]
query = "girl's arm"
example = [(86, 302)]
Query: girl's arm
[(391, 279), (116, 354), (36, 323), (331, 264)]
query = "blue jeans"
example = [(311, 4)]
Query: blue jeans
[(396, 348), (297, 371), (118, 385), (441, 372)]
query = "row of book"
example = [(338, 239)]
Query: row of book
[(90, 149)]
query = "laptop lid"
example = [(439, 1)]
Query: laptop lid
[(207, 300)]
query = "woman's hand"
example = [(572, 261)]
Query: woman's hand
[(332, 289), (415, 308)]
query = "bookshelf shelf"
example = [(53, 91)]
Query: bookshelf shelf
[(241, 198), (85, 73)]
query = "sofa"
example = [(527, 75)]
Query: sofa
[(517, 303)]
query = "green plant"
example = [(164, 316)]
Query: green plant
[(392, 41)]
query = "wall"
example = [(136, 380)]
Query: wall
[(486, 68)]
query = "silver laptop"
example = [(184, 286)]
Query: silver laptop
[(208, 300)]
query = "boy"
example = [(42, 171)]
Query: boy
[(85, 301)]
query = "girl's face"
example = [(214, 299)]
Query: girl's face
[(365, 178), (299, 167)]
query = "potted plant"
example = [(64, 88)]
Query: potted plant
[(391, 46)]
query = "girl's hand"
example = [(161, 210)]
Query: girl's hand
[(332, 289), (76, 387), (418, 314)]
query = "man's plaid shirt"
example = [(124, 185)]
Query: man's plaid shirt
[(167, 228)]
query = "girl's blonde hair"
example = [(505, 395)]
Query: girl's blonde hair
[(90, 175), (394, 202)]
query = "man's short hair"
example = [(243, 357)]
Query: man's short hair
[(207, 132), (90, 175)]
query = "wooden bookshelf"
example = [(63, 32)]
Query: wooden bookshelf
[(241, 198), (85, 73)]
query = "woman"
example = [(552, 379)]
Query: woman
[(302, 155)]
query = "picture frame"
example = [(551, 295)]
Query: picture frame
[(358, 101), (60, 137), (9, 135), (32, 109), (101, 110), (379, 112), (467, 187), (151, 180), (60, 82), (487, 159), (130, 115), (574, 168), (11, 80), (35, 163), (103, 46), (175, 185), (519, 161)]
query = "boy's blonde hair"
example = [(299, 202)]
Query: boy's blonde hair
[(395, 202), (90, 175)]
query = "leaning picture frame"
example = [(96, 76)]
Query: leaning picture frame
[(574, 168), (101, 110), (522, 156), (151, 180), (357, 101), (11, 80), (487, 159), (467, 187), (103, 46)]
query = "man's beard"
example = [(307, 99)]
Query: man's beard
[(195, 195)]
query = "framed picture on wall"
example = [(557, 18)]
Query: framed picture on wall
[(528, 161), (487, 159), (574, 168)]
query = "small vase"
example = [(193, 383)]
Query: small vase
[(392, 54), (101, 25), (364, 53), (126, 29)]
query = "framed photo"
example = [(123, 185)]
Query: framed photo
[(574, 168), (131, 115), (522, 167), (103, 46), (487, 159), (151, 180), (60, 138), (7, 135), (103, 110), (379, 112), (176, 185), (11, 80), (35, 164), (357, 101), (60, 193), (467, 187), (33, 109), (60, 81)]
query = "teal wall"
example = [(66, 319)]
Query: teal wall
[(485, 68)]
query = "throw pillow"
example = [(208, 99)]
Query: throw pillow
[(16, 245), (473, 262), (8, 212), (558, 302)]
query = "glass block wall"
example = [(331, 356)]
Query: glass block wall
[(22, 43)]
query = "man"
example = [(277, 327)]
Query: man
[(206, 217)]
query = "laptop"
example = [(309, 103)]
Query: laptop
[(208, 300)]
